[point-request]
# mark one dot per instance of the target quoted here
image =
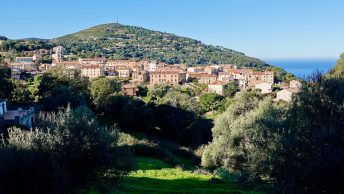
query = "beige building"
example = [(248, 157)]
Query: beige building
[(227, 67), (236, 74), (195, 69), (207, 78), (170, 77), (123, 71), (202, 77), (68, 64), (166, 67), (115, 63), (70, 68), (265, 76), (26, 66), (93, 61), (224, 77), (139, 76), (129, 90), (138, 67), (211, 70), (92, 71), (217, 87), (295, 85)]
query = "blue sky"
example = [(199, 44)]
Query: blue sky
[(260, 28)]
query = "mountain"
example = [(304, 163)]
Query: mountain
[(3, 37), (34, 39), (117, 41)]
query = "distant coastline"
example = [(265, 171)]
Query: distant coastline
[(303, 67)]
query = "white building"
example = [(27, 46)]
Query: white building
[(152, 66), (19, 116), (216, 87), (264, 87), (123, 71), (285, 95), (58, 53), (92, 71), (295, 84)]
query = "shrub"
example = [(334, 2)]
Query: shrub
[(63, 151)]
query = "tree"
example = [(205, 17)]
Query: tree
[(231, 88), (59, 155), (298, 147), (159, 91), (56, 90), (6, 86), (1, 59), (210, 101), (225, 149), (311, 145), (180, 100), (21, 94), (142, 90), (339, 68), (102, 88)]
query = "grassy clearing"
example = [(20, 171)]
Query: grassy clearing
[(155, 176)]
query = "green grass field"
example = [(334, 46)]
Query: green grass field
[(155, 176)]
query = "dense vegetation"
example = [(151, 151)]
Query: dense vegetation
[(255, 142), (60, 153), (296, 147), (116, 41), (339, 69), (125, 42)]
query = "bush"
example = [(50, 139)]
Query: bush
[(312, 146), (297, 147), (63, 151)]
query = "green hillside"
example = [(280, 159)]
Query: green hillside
[(117, 41)]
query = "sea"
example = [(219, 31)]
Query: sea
[(302, 68)]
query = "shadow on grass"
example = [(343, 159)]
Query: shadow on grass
[(188, 185), (167, 155)]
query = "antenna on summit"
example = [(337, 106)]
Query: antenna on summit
[(117, 20)]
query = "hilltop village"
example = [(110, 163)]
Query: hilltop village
[(220, 79), (213, 78)]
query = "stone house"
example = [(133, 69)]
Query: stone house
[(217, 87), (92, 71), (93, 61), (285, 95), (139, 76), (169, 77), (129, 90), (295, 85), (224, 77), (264, 87), (123, 71)]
